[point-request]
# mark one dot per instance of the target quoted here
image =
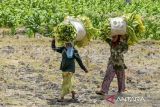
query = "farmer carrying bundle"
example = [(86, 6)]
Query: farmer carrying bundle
[(69, 55), (77, 30), (116, 65), (123, 32)]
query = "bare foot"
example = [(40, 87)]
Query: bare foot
[(73, 94), (61, 99), (100, 93)]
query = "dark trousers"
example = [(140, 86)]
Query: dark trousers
[(110, 73)]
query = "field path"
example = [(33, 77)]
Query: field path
[(30, 75)]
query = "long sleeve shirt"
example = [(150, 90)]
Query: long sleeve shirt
[(116, 58), (68, 64)]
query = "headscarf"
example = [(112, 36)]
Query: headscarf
[(114, 44)]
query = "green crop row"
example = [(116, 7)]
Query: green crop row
[(40, 16)]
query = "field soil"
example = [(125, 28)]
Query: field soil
[(30, 75)]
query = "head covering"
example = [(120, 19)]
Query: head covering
[(70, 44), (116, 43)]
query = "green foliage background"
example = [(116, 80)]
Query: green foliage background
[(42, 15)]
